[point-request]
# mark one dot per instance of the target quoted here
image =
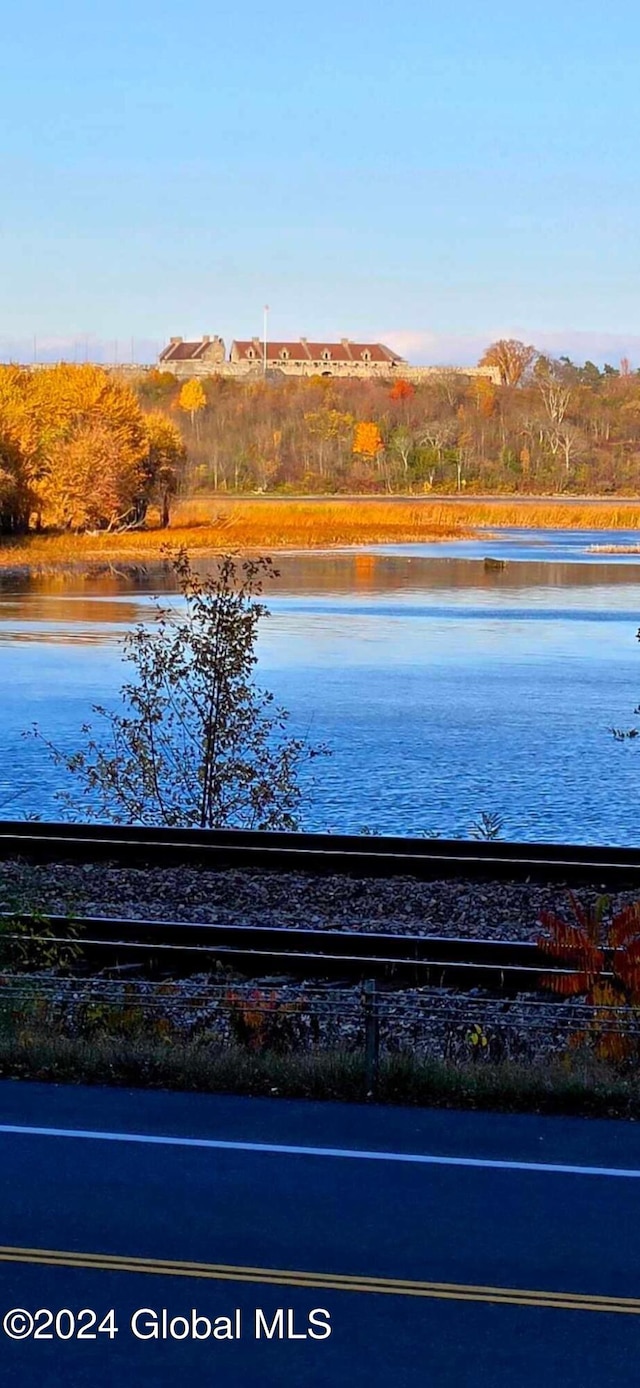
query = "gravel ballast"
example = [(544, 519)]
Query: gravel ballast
[(398, 905)]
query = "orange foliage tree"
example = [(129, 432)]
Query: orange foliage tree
[(402, 390), (367, 441)]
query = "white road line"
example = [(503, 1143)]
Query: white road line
[(355, 1154)]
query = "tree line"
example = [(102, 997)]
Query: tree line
[(82, 449), (548, 426)]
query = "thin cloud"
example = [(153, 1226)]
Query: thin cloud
[(442, 349), (79, 348)]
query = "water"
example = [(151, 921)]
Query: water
[(443, 689)]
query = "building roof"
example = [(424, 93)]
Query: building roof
[(353, 351), (303, 350), (300, 351), (178, 350)]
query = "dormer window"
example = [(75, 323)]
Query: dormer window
[(284, 354), (366, 356), (326, 355), (250, 352)]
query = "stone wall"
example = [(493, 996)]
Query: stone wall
[(253, 370)]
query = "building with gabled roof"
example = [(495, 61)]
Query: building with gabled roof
[(300, 358), (305, 358), (249, 358), (207, 350)]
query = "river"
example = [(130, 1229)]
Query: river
[(443, 689)]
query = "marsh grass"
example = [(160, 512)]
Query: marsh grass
[(349, 521), (234, 525), (218, 525)]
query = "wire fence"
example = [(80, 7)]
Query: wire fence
[(295, 1018)]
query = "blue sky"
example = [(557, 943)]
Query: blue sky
[(433, 176)]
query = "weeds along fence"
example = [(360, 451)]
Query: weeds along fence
[(289, 1019)]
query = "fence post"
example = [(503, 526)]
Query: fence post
[(371, 1038)]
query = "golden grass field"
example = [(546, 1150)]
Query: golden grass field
[(219, 525)]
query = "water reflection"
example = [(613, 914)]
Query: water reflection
[(370, 583), (442, 687)]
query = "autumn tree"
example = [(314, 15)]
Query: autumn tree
[(20, 446), (332, 429), (485, 394), (72, 428), (15, 497), (367, 440), (165, 455), (510, 357), (192, 400), (401, 447), (402, 390), (157, 388), (554, 381), (91, 428), (89, 485)]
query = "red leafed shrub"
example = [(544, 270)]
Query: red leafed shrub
[(600, 950), (402, 390), (263, 1020)]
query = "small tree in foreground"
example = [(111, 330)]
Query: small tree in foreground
[(197, 743)]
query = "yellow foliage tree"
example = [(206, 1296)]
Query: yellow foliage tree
[(77, 407), (328, 424), (87, 486), (77, 439), (192, 399), (367, 441), (485, 394)]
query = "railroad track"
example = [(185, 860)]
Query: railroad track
[(354, 855), (182, 948)]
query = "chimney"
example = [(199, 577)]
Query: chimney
[(175, 340), (205, 338)]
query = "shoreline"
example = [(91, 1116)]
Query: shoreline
[(216, 525)]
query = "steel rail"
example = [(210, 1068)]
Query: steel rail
[(183, 947), (354, 855)]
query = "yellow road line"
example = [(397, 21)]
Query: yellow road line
[(322, 1281)]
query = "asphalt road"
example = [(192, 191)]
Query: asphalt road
[(447, 1249)]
